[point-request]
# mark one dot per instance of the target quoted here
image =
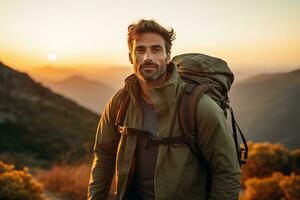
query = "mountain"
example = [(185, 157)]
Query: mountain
[(267, 107), (49, 73), (111, 76), (38, 124), (90, 94)]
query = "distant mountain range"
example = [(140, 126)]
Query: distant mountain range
[(110, 76), (90, 87), (38, 124), (267, 107), (90, 94), (49, 73)]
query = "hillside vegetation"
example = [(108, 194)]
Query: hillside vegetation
[(37, 124)]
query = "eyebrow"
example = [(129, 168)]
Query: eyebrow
[(153, 46), (157, 46)]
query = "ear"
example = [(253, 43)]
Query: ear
[(130, 58)]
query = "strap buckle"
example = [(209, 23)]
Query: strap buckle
[(193, 137), (122, 129)]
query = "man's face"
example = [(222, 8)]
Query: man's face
[(149, 57)]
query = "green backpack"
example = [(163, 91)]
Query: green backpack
[(206, 70), (214, 76), (204, 74)]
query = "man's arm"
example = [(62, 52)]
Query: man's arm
[(103, 167), (217, 145)]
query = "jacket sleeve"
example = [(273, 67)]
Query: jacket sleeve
[(103, 167), (216, 143)]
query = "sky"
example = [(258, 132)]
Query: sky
[(249, 35)]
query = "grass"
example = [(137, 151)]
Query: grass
[(69, 181)]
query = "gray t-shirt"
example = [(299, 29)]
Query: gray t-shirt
[(146, 153)]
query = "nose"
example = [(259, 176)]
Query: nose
[(148, 56)]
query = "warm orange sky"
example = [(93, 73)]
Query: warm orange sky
[(247, 34)]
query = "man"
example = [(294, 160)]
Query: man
[(128, 166)]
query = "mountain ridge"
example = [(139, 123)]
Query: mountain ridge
[(91, 94), (39, 124), (267, 107)]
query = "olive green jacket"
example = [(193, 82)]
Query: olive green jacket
[(178, 173)]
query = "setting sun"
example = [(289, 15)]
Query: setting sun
[(52, 57)]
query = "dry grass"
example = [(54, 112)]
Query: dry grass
[(69, 181)]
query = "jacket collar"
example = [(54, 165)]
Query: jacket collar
[(163, 96)]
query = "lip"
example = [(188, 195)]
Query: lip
[(149, 67)]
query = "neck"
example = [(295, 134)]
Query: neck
[(146, 86)]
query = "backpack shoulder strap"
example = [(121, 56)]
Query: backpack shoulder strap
[(187, 115), (187, 121)]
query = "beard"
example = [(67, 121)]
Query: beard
[(149, 71)]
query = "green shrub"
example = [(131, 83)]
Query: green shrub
[(296, 161), (264, 188), (275, 187), (266, 158), (18, 184), (290, 185)]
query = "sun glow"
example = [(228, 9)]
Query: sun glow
[(52, 57), (75, 33)]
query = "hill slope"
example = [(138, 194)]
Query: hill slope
[(267, 107), (91, 94), (39, 124)]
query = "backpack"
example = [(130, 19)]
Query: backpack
[(203, 74), (212, 76)]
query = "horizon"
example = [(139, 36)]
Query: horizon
[(87, 72)]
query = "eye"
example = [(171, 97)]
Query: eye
[(157, 49), (139, 50)]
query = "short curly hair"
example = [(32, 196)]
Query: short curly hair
[(150, 26)]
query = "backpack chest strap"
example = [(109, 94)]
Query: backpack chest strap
[(179, 140)]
